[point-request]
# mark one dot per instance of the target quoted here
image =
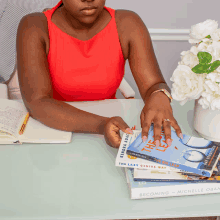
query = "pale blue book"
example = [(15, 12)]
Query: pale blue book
[(192, 154)]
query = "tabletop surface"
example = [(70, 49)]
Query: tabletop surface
[(79, 180)]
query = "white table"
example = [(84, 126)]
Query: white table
[(80, 181)]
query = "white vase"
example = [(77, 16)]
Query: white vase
[(207, 122)]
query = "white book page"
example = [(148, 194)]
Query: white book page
[(8, 139), (158, 174), (12, 114), (36, 132)]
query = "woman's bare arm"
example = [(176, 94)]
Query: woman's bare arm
[(140, 53), (35, 83), (148, 76)]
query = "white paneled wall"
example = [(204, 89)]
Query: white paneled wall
[(169, 34)]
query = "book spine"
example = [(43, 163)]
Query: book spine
[(176, 180), (164, 162), (176, 190), (146, 166)]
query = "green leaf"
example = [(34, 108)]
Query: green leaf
[(214, 66), (208, 36), (201, 68), (204, 57)]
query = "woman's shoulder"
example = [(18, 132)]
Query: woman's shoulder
[(128, 21), (127, 16), (36, 18), (36, 21)]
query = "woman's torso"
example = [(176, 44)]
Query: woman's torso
[(59, 20), (101, 90)]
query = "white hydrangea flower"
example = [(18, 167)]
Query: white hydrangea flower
[(204, 103), (208, 41), (215, 35), (194, 50), (189, 59), (187, 84), (207, 89), (215, 104), (203, 29), (214, 50), (214, 77), (212, 85), (183, 53), (193, 41), (203, 47), (208, 96)]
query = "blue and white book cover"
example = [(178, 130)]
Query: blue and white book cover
[(124, 160), (164, 176), (192, 154)]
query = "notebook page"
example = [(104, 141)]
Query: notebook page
[(36, 132), (12, 115)]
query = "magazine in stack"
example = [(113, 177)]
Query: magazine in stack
[(189, 166)]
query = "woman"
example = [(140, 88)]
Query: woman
[(76, 52)]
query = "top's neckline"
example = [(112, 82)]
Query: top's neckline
[(59, 4)]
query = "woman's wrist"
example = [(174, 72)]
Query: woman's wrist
[(101, 127), (165, 92), (161, 94), (159, 87)]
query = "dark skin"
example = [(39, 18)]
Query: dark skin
[(34, 77)]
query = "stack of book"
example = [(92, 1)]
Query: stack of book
[(189, 166)]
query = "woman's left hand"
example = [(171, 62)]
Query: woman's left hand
[(157, 108)]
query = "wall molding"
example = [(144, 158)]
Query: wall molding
[(169, 34)]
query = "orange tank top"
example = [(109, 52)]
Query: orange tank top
[(85, 70)]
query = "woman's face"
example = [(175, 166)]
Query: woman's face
[(83, 11)]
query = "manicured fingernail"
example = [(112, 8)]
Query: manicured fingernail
[(129, 130), (181, 135), (157, 143), (144, 138), (169, 142)]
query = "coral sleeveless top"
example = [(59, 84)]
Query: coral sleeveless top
[(85, 70)]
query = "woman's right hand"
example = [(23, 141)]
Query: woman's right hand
[(111, 131)]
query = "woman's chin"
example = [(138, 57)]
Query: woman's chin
[(88, 21)]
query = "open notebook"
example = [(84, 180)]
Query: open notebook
[(12, 116)]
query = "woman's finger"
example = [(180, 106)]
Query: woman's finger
[(142, 119), (167, 132), (122, 125), (112, 136), (146, 120), (177, 128), (157, 130), (113, 131)]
